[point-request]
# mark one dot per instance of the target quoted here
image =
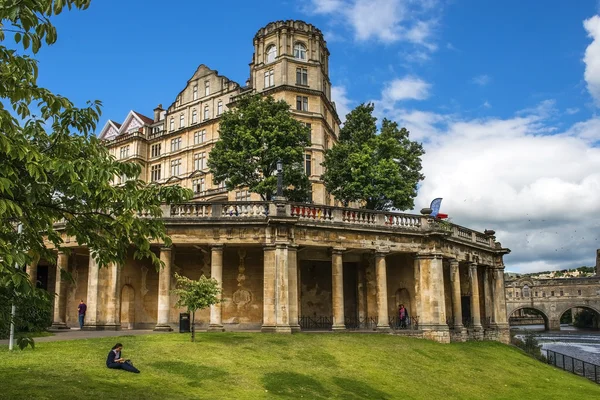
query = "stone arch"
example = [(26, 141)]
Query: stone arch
[(596, 310), (544, 315), (127, 307)]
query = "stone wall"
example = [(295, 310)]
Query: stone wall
[(315, 289), (400, 284)]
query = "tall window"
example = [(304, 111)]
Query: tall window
[(200, 136), (195, 93), (124, 151), (175, 167), (219, 108), (552, 293), (199, 161), (199, 185), (301, 103), (156, 150), (302, 76), (206, 88), (562, 293), (155, 173), (525, 291), (308, 164), (181, 121), (172, 124), (194, 116), (205, 112), (269, 78), (175, 144), (300, 51), (242, 195), (271, 53)]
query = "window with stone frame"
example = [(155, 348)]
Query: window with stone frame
[(155, 173), (124, 152), (206, 88), (562, 293), (302, 76), (579, 292), (172, 124), (199, 161), (155, 150), (525, 291), (219, 108), (242, 195), (552, 293), (194, 116), (308, 164), (176, 144), (271, 53), (200, 136), (181, 121), (300, 51), (176, 167), (301, 103), (195, 93), (205, 113), (269, 78), (199, 185)]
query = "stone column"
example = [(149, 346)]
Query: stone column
[(164, 286), (475, 309), (112, 316), (361, 293), (216, 272), (293, 287), (456, 297), (488, 300), (500, 316), (432, 301), (282, 293), (269, 320), (383, 323), (337, 289), (60, 311), (91, 314), (32, 269)]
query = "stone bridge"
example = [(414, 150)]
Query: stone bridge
[(552, 297)]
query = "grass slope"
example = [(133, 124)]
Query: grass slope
[(309, 366)]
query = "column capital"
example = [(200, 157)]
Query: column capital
[(338, 250), (453, 261), (428, 256), (166, 248), (381, 253), (217, 247)]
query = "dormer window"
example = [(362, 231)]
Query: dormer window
[(300, 51), (271, 53)]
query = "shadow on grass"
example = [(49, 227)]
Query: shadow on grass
[(196, 373), (318, 357), (293, 385), (359, 390)]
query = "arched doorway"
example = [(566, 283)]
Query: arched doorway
[(580, 318), (530, 319), (127, 307)]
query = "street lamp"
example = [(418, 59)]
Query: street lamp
[(279, 178)]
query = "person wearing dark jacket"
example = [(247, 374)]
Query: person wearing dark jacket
[(115, 361)]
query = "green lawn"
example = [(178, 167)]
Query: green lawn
[(309, 366)]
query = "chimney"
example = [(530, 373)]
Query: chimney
[(157, 112)]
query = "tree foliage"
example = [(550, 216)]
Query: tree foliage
[(196, 295), (379, 171), (253, 137), (53, 169)]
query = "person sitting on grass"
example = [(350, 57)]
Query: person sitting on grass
[(115, 361)]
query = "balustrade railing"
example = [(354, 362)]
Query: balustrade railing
[(309, 211), (245, 209), (402, 220), (359, 217), (191, 210)]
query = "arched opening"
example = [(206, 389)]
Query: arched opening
[(580, 318), (530, 319), (300, 51), (127, 307), (271, 54), (402, 298)]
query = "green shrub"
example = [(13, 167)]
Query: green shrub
[(34, 311)]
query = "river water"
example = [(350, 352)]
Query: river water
[(581, 344)]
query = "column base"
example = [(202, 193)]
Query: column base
[(163, 328), (59, 325), (458, 334), (215, 328), (283, 329), (476, 332), (107, 327), (295, 328), (383, 329), (268, 329), (338, 328)]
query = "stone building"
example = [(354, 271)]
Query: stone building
[(283, 267)]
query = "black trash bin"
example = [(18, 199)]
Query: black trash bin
[(184, 322)]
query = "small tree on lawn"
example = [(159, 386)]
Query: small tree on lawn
[(254, 135), (379, 171), (196, 295)]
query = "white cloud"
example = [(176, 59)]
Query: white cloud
[(486, 104), (481, 80), (341, 100), (407, 88), (572, 111), (592, 57)]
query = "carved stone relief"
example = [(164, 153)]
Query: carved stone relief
[(241, 297)]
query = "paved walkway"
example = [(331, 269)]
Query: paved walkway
[(75, 334)]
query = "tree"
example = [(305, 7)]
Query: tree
[(56, 177), (196, 295), (379, 171), (253, 137)]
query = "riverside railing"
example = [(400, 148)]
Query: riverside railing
[(574, 365), (324, 215)]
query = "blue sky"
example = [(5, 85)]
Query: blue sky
[(504, 95)]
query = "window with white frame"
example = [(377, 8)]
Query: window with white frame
[(242, 195), (181, 121), (176, 144), (300, 51), (271, 53), (195, 93), (156, 150), (206, 88), (172, 124), (124, 151), (175, 167), (302, 76), (199, 161), (301, 103), (269, 78), (199, 185), (219, 108), (205, 112), (155, 173), (194, 116), (200, 136)]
